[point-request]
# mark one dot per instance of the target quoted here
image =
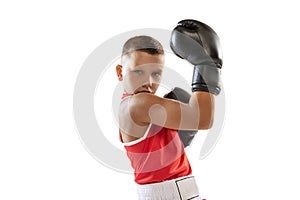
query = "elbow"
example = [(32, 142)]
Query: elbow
[(205, 125)]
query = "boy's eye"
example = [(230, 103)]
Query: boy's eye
[(156, 74), (138, 71)]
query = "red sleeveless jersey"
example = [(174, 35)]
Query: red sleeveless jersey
[(158, 156)]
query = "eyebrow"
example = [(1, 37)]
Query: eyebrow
[(159, 70)]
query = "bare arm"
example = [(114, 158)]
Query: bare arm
[(196, 115)]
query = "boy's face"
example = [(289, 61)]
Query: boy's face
[(141, 72)]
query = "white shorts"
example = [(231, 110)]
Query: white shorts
[(183, 188)]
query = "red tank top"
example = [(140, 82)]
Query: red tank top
[(159, 155)]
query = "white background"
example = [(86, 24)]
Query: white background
[(44, 44)]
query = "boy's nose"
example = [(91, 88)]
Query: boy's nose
[(148, 84), (148, 88), (149, 81)]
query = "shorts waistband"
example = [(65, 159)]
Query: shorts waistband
[(183, 188)]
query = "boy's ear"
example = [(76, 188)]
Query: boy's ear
[(119, 72)]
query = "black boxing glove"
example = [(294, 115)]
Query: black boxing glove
[(199, 44), (181, 95)]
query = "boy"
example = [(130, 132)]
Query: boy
[(148, 124)]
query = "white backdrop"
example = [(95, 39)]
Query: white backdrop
[(44, 44)]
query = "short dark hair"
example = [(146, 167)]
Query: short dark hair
[(143, 43)]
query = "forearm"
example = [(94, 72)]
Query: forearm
[(202, 106)]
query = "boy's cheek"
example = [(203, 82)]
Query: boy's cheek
[(130, 86)]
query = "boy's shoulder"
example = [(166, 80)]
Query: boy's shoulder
[(136, 106)]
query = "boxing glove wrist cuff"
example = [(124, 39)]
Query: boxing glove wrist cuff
[(206, 78)]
